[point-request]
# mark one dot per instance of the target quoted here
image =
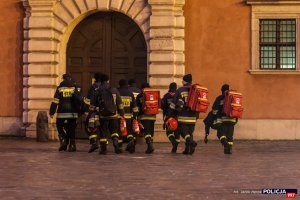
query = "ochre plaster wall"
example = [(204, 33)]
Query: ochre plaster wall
[(218, 50), (11, 34)]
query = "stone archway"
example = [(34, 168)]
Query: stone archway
[(49, 23)]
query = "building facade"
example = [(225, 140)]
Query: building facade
[(251, 45)]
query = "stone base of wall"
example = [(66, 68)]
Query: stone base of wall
[(11, 126), (259, 129), (244, 130)]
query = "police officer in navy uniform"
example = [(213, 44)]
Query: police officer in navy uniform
[(133, 88), (93, 135), (226, 124), (130, 113), (67, 113), (186, 118), (109, 125), (167, 99)]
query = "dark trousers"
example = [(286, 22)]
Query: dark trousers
[(186, 130), (174, 136), (130, 134), (109, 127), (66, 128), (226, 132), (148, 130)]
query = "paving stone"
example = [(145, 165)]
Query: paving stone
[(31, 170)]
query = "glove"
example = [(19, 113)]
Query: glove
[(206, 139)]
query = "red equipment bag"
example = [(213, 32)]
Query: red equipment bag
[(198, 98), (123, 127), (151, 101), (135, 126), (233, 104)]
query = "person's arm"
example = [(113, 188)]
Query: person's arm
[(173, 108), (54, 103), (216, 106), (119, 103), (135, 109)]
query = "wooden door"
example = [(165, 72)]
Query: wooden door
[(107, 42)]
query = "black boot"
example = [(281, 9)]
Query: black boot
[(131, 146), (187, 149), (174, 144), (103, 148), (188, 146), (63, 143), (116, 146), (193, 147), (72, 146), (150, 148), (94, 145), (227, 149), (174, 147), (224, 141)]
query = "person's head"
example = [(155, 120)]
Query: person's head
[(66, 77), (123, 83), (105, 78), (132, 82), (98, 76), (224, 88), (145, 85), (187, 79), (172, 87)]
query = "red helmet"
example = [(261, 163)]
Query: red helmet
[(171, 124)]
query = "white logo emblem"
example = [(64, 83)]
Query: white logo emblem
[(151, 97)]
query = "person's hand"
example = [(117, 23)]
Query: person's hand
[(206, 139)]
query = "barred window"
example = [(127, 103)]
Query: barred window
[(278, 44)]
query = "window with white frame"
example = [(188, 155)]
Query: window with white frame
[(275, 36), (277, 44)]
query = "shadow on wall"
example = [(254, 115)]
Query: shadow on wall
[(18, 76)]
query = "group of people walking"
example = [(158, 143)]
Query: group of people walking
[(122, 114)]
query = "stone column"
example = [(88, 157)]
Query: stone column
[(40, 61), (166, 42), (166, 62)]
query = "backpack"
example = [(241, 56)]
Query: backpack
[(107, 105), (233, 104), (77, 99), (151, 101), (198, 98)]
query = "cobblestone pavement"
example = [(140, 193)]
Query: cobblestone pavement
[(31, 170)]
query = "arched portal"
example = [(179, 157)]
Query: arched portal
[(49, 24), (107, 42)]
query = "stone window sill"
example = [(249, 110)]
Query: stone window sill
[(280, 72)]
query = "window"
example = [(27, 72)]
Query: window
[(277, 44), (275, 37)]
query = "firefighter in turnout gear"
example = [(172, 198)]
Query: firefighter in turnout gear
[(92, 117), (133, 88), (110, 105), (130, 113), (67, 113), (147, 120), (225, 124), (186, 117), (173, 136)]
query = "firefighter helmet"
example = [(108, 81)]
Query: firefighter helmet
[(171, 124)]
